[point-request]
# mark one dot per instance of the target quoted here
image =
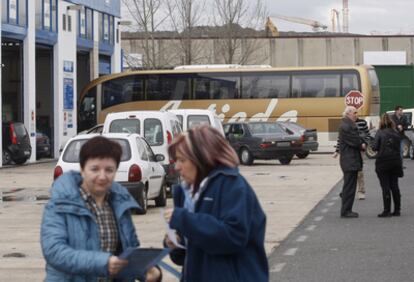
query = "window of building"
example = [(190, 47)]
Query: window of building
[(106, 28), (46, 15), (14, 12), (85, 24)]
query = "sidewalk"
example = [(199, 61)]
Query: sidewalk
[(326, 247)]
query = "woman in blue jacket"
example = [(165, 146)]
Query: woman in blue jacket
[(216, 213), (87, 221)]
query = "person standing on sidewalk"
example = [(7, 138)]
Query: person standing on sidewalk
[(388, 165), (401, 124), (364, 133), (350, 146)]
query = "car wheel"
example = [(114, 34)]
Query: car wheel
[(246, 157), (143, 202), (6, 157), (161, 200), (285, 160), (406, 147), (302, 155), (411, 152), (369, 152), (20, 161)]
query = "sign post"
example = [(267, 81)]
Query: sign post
[(355, 99)]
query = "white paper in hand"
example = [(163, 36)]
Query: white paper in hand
[(171, 233)]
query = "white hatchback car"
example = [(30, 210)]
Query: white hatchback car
[(140, 171), (157, 127)]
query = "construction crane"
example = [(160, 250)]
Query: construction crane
[(271, 29), (314, 24)]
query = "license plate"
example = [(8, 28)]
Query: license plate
[(311, 138), (283, 144), (26, 153), (46, 148)]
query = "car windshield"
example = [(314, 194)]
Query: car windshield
[(264, 128), (125, 126), (71, 154)]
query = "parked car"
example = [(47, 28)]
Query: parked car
[(309, 137), (190, 118), (157, 127), (42, 145), (16, 143), (262, 140), (140, 170)]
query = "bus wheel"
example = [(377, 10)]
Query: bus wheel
[(370, 153), (406, 148), (246, 157)]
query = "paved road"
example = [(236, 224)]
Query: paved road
[(327, 248)]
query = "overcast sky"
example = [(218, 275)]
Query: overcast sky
[(365, 16)]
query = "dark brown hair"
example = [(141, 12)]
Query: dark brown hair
[(386, 122), (206, 148), (100, 147)]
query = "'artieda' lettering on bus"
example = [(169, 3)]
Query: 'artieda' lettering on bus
[(240, 116)]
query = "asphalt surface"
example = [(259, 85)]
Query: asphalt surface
[(325, 247)]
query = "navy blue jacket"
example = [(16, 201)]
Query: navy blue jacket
[(225, 234)]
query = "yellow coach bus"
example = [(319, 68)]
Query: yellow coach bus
[(311, 96)]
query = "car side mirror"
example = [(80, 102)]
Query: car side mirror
[(159, 157)]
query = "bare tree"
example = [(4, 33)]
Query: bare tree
[(148, 17), (229, 17), (185, 15)]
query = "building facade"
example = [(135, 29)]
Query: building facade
[(50, 49)]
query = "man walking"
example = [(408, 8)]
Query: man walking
[(350, 146)]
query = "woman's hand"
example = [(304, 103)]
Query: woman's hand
[(170, 244), (168, 214), (153, 275), (115, 264)]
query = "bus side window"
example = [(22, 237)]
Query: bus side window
[(331, 92)]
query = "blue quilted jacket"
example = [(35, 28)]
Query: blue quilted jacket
[(70, 234)]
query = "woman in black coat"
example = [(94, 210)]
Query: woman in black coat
[(388, 165)]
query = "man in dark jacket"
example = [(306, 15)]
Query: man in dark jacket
[(350, 146), (401, 124)]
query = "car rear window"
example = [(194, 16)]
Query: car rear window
[(197, 120), (19, 129), (125, 126), (153, 132), (71, 154), (264, 128)]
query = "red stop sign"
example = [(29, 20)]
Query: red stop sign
[(354, 98)]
